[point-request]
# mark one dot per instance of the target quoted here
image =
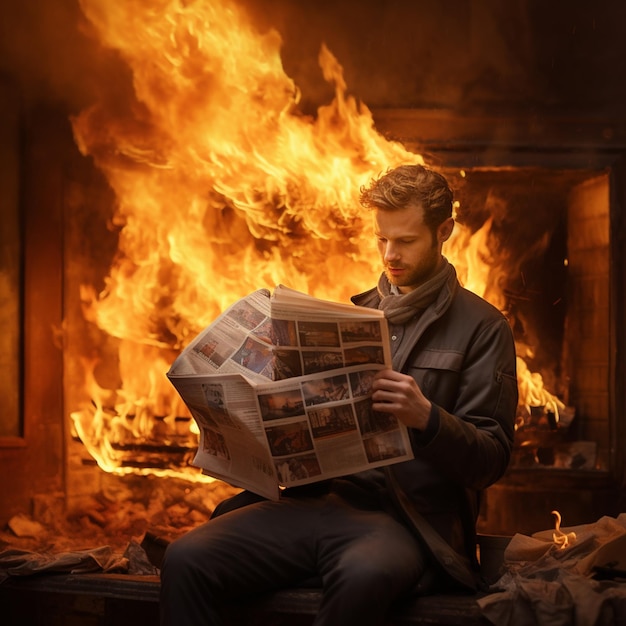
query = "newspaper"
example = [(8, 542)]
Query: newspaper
[(280, 388)]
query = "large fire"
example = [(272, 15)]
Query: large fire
[(222, 186)]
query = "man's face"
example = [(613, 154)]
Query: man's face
[(409, 251)]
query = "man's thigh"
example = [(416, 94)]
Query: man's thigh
[(261, 546)]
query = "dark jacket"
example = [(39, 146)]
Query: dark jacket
[(461, 353)]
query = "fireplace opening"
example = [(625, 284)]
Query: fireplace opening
[(541, 235)]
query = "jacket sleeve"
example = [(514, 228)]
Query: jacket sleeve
[(470, 435)]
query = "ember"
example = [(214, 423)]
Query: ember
[(141, 505)]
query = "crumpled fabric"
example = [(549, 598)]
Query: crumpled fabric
[(15, 562), (547, 585)]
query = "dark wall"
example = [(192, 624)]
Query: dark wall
[(462, 55)]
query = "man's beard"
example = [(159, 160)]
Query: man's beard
[(415, 276)]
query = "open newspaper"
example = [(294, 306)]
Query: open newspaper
[(280, 388)]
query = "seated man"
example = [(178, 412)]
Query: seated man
[(376, 536)]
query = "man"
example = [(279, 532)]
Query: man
[(373, 537)]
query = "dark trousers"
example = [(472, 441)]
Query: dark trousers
[(365, 558)]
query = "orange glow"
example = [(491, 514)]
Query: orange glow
[(222, 186)]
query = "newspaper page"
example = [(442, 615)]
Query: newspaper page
[(232, 445), (280, 387)]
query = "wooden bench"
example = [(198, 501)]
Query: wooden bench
[(124, 600)]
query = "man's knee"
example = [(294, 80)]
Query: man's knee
[(176, 560), (373, 569)]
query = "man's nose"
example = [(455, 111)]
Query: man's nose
[(390, 253)]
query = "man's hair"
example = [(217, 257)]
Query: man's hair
[(411, 185)]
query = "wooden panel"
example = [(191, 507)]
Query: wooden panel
[(10, 268), (587, 330), (37, 467)]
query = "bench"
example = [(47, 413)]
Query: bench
[(128, 600), (125, 600)]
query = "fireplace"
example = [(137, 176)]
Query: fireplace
[(551, 182)]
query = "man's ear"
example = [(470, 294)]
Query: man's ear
[(444, 230)]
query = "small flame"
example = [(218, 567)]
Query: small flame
[(533, 392), (560, 538)]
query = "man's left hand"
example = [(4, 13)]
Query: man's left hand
[(401, 396)]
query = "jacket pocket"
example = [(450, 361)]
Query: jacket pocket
[(437, 374), (438, 360)]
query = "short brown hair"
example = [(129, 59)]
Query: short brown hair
[(408, 185)]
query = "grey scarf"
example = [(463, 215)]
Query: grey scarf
[(400, 308)]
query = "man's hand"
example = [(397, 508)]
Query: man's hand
[(400, 395)]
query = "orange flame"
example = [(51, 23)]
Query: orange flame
[(222, 186)]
